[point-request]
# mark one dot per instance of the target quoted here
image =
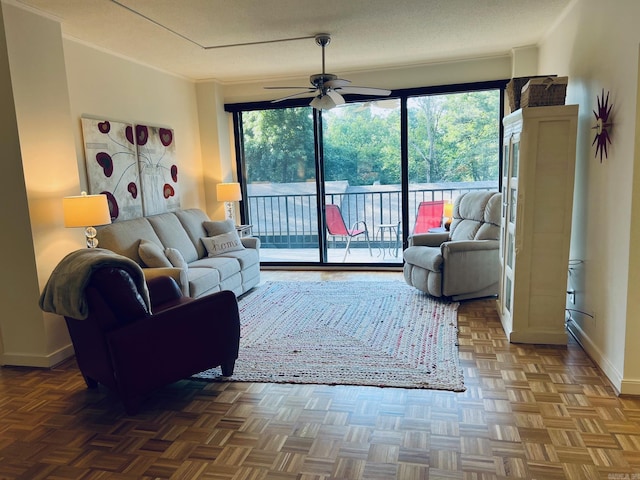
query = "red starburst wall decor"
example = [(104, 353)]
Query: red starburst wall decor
[(602, 127)]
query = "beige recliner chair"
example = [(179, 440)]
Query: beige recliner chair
[(462, 263)]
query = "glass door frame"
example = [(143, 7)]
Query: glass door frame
[(236, 110)]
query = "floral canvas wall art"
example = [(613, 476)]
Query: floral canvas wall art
[(112, 166), (158, 169), (134, 166)]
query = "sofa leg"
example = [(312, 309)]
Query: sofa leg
[(227, 368), (91, 383)]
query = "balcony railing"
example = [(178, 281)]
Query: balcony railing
[(291, 220)]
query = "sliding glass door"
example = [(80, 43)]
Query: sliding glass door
[(350, 184), (280, 176), (361, 143)]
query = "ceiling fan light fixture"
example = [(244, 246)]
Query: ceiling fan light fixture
[(323, 102), (328, 87)]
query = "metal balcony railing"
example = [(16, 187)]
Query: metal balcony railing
[(291, 220)]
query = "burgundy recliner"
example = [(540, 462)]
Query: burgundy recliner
[(133, 351)]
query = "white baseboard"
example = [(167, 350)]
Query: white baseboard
[(600, 359), (630, 387), (40, 361)]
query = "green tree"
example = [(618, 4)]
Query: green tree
[(362, 146), (425, 162), (278, 145), (454, 137), (470, 138)]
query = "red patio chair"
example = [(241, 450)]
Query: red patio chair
[(337, 228), (429, 216)]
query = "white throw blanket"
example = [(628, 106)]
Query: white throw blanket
[(64, 293)]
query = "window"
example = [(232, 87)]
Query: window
[(377, 160)]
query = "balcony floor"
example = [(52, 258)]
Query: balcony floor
[(336, 255)]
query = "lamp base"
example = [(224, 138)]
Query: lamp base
[(90, 233), (229, 210)]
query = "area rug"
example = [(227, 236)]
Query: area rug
[(384, 334)]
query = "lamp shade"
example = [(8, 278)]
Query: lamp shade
[(447, 210), (86, 210), (228, 192)]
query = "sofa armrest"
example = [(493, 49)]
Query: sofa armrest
[(469, 246), (251, 242), (469, 265), (428, 239), (178, 274)]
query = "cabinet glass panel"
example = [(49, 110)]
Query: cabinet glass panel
[(505, 159), (510, 250), (513, 197), (507, 294), (515, 159)]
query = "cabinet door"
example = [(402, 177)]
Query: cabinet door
[(509, 219)]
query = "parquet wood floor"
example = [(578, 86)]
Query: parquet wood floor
[(532, 412)]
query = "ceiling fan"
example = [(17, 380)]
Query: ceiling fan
[(327, 87)]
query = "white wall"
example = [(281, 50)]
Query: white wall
[(103, 85), (46, 84), (596, 45), (217, 140), (40, 155)]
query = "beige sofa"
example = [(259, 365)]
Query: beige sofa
[(203, 256)]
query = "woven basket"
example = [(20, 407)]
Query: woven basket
[(514, 90), (541, 92)]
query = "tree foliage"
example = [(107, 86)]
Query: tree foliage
[(278, 145), (451, 138)]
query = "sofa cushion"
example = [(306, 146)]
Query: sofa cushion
[(203, 281), (476, 216), (247, 257), (223, 243), (152, 255), (225, 266), (176, 258), (120, 293), (192, 220), (172, 234), (214, 228), (124, 237), (429, 258)]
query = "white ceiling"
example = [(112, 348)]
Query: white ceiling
[(366, 34)]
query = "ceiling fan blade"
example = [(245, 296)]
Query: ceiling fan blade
[(364, 91), (295, 95), (337, 83), (385, 104), (336, 97), (311, 89)]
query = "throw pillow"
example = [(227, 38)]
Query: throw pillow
[(152, 255), (214, 228), (176, 258), (219, 244)]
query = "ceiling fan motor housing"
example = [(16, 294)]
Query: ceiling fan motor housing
[(319, 79), (323, 39)]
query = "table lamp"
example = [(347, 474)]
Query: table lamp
[(86, 211), (228, 193), (447, 214)]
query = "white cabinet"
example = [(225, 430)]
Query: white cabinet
[(538, 175)]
